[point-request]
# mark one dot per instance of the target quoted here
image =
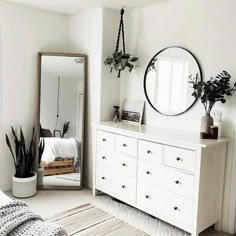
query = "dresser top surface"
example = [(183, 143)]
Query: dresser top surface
[(156, 132)]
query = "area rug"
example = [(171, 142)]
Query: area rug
[(105, 216), (88, 220)]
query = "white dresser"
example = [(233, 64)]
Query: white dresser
[(170, 174)]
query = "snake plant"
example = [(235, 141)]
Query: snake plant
[(23, 157), (41, 150), (65, 129)]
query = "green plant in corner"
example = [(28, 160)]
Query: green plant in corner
[(212, 91), (23, 158), (65, 129), (41, 150)]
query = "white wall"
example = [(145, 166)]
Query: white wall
[(207, 28), (94, 33), (110, 87), (24, 32), (86, 37), (70, 88)]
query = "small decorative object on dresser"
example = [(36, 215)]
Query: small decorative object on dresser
[(214, 90), (25, 179), (213, 132), (132, 111), (116, 114)]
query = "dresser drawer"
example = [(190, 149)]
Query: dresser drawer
[(126, 165), (180, 158), (169, 204), (106, 157), (121, 186), (125, 187), (126, 145), (104, 178), (150, 151), (105, 139), (115, 160), (166, 177)]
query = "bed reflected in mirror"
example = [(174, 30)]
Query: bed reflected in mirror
[(62, 94)]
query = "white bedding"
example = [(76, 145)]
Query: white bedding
[(4, 199), (59, 147)]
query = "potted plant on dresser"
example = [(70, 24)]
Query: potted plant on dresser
[(210, 92), (24, 181)]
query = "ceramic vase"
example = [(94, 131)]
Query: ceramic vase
[(24, 187), (40, 176), (206, 122)]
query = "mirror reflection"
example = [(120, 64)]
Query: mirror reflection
[(61, 120), (166, 81)]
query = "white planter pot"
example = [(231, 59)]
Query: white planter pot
[(24, 187), (40, 176)]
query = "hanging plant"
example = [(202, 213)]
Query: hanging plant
[(120, 59)]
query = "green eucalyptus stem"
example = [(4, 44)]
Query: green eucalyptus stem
[(214, 90), (211, 104)]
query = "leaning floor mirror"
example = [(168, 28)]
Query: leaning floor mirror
[(62, 104)]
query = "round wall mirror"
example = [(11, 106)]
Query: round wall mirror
[(166, 81)]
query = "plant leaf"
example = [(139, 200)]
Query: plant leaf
[(134, 59)]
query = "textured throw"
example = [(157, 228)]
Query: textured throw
[(16, 219)]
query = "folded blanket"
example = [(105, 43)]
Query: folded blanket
[(16, 219)]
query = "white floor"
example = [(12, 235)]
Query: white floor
[(50, 202), (60, 180)]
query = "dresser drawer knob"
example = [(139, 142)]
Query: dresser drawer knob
[(177, 181), (148, 172), (103, 158), (175, 208), (104, 140), (124, 145), (147, 197), (178, 158), (149, 152), (124, 164), (103, 178), (123, 186)]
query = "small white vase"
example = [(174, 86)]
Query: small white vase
[(206, 122), (40, 176), (24, 187)]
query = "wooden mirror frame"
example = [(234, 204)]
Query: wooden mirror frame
[(40, 54)]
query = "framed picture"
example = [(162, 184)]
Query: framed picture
[(132, 111), (57, 133)]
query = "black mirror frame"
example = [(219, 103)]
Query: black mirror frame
[(146, 72)]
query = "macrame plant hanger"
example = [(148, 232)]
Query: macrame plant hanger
[(120, 58), (58, 99)]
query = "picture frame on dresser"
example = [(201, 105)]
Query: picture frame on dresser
[(132, 111)]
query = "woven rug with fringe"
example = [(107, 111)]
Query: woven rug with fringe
[(87, 220)]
